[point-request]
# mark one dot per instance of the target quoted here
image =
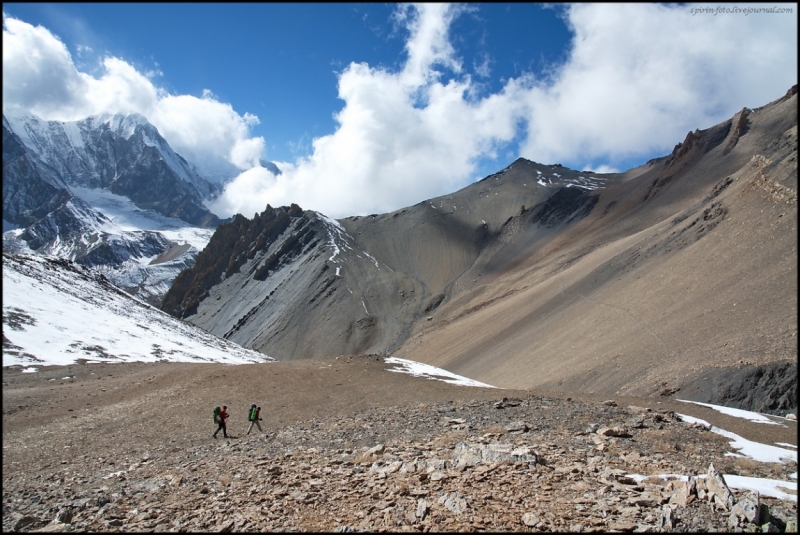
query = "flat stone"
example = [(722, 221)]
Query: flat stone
[(530, 519)]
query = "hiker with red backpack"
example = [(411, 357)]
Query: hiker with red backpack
[(254, 416), (220, 415)]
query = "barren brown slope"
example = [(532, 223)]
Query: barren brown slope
[(295, 284), (640, 282), (689, 266)]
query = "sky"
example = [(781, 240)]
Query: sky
[(368, 108)]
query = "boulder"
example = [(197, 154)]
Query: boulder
[(746, 510), (466, 454), (718, 489), (685, 492), (616, 431), (454, 502)]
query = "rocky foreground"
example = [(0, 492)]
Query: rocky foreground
[(521, 464)]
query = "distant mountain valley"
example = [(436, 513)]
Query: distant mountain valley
[(661, 279), (676, 276)]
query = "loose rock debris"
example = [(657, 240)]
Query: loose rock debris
[(534, 464)]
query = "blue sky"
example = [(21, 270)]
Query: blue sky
[(372, 107), (280, 61)]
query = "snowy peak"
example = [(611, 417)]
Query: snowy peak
[(97, 151), (55, 172), (125, 125)]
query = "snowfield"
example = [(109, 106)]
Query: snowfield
[(55, 313), (124, 216)]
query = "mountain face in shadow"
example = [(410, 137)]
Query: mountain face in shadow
[(539, 276)]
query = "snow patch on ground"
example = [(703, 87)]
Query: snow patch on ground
[(418, 369), (739, 413), (747, 448), (772, 488)]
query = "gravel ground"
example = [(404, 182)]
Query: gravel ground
[(349, 446)]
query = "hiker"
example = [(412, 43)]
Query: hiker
[(219, 418), (254, 417)]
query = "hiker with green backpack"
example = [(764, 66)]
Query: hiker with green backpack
[(220, 415), (254, 416)]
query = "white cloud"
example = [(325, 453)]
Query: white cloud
[(402, 136), (208, 132), (601, 169), (640, 76), (429, 44), (484, 69), (40, 76)]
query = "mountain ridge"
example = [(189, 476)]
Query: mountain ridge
[(463, 281), (122, 153)]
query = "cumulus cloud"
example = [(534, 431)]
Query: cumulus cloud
[(38, 73), (401, 137), (208, 132), (639, 76), (40, 77), (636, 79)]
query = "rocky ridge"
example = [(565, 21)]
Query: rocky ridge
[(521, 464), (541, 277)]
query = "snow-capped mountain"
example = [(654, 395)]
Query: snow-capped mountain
[(122, 153), (55, 312), (139, 251), (107, 192)]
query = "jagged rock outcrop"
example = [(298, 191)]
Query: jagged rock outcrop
[(769, 388), (296, 284), (741, 124), (230, 247)]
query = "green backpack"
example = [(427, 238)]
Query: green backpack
[(217, 412), (253, 412)]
